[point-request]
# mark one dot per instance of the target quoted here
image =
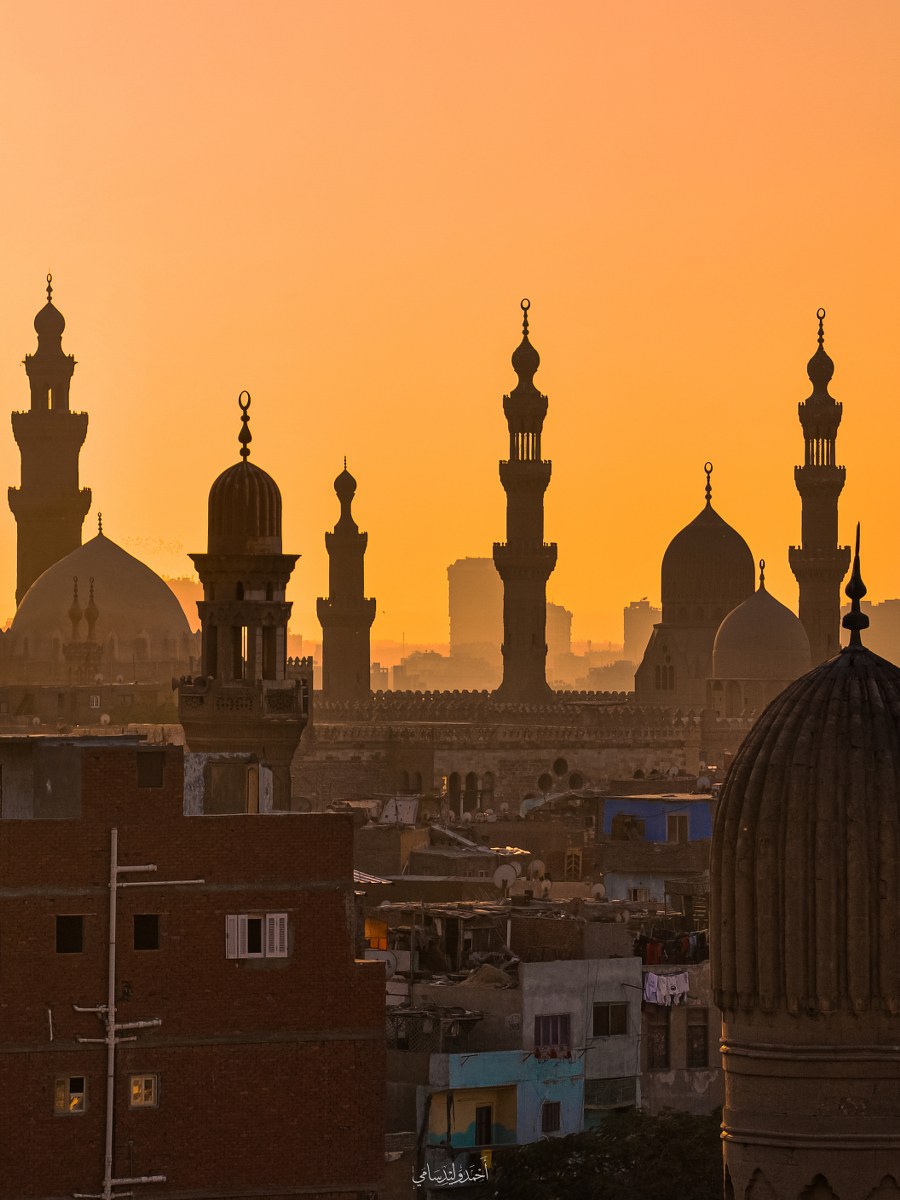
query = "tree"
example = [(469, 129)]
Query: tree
[(631, 1156)]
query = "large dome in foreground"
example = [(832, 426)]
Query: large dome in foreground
[(138, 614)]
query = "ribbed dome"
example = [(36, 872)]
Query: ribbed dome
[(806, 848), (244, 512), (760, 639), (132, 603), (707, 563)]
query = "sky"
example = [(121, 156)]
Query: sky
[(338, 205)]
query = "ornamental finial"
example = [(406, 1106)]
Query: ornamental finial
[(708, 468), (245, 437), (855, 620)]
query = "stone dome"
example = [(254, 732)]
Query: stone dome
[(805, 885), (244, 512), (761, 639), (134, 606), (49, 322), (707, 563)]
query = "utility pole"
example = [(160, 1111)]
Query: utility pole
[(107, 1013)]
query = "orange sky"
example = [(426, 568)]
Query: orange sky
[(338, 205)]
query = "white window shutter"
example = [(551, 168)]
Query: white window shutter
[(231, 937), (276, 935), (242, 936)]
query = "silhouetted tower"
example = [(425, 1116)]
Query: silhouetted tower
[(346, 615), (525, 560), (819, 563), (49, 507), (243, 703)]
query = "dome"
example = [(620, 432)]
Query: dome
[(49, 322), (133, 604), (707, 563), (345, 486), (806, 845), (244, 512), (760, 639)]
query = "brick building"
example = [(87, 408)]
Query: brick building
[(265, 1074)]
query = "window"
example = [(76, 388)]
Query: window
[(143, 1091), (610, 1019), (69, 935), (146, 931), (94, 701), (658, 1039), (70, 1095), (550, 1112), (697, 1037), (150, 768), (620, 1092), (677, 827), (639, 895), (553, 1031), (484, 1124), (262, 936)]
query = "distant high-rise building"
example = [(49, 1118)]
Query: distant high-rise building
[(819, 563), (346, 615), (476, 607), (639, 616), (525, 561), (49, 507)]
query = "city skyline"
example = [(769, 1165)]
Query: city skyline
[(227, 214)]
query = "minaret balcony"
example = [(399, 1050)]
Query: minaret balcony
[(208, 699), (525, 561)]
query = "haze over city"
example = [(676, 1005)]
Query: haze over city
[(339, 206)]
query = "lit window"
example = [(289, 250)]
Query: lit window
[(262, 936), (143, 1091), (550, 1116), (70, 1095), (610, 1019)]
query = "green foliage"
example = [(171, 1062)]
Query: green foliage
[(632, 1156)]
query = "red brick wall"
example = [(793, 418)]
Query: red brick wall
[(271, 1070)]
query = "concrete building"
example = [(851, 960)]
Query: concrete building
[(639, 617), (228, 1008), (819, 563), (346, 615), (525, 561), (475, 595)]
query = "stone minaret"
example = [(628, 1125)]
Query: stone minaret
[(525, 560), (243, 702), (49, 507), (819, 563), (346, 615)]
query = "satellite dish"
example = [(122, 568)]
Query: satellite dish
[(35, 720), (505, 876), (120, 679), (517, 867), (104, 719), (467, 818), (504, 807), (598, 891), (535, 868), (389, 958)]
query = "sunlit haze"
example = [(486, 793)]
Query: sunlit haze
[(338, 206)]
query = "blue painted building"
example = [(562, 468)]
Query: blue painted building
[(675, 817)]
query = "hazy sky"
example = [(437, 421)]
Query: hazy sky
[(338, 206)]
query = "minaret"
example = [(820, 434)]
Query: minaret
[(243, 703), (346, 615), (525, 561), (819, 563), (49, 507)]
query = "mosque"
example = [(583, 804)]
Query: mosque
[(98, 636), (805, 868)]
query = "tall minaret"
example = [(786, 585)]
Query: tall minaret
[(525, 560), (819, 563), (244, 702), (346, 615), (49, 507)]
